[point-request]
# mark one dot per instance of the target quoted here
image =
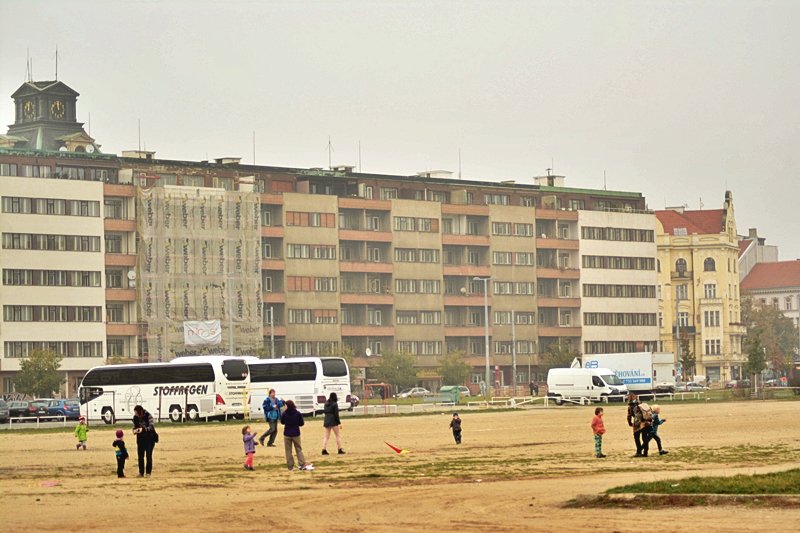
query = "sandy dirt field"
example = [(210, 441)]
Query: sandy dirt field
[(513, 472)]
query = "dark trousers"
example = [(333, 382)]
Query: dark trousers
[(145, 448), (637, 438), (656, 438), (272, 432), (457, 435), (120, 466)]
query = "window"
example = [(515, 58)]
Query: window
[(680, 266), (501, 228), (709, 265), (503, 287), (565, 290), (576, 205), (502, 317), (526, 318), (682, 292), (713, 346), (502, 258), (711, 318), (374, 254), (496, 199), (373, 223), (710, 290), (524, 287), (473, 227), (114, 279), (266, 250), (473, 257), (617, 234), (565, 318), (523, 230), (788, 303), (388, 193), (115, 312), (523, 258), (683, 319), (113, 243)]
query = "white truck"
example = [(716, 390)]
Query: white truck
[(593, 384), (642, 372)]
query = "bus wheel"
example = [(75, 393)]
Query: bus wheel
[(107, 414), (175, 413), (192, 413)]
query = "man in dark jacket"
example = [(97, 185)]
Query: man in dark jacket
[(146, 438), (272, 412), (635, 422)]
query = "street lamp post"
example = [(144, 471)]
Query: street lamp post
[(513, 354), (272, 331), (485, 326)]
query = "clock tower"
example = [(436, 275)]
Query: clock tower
[(46, 119)]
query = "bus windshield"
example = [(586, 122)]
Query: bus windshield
[(334, 368), (234, 369), (612, 379)]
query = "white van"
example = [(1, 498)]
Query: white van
[(577, 383)]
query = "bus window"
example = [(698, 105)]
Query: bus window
[(234, 369), (283, 371), (334, 368)]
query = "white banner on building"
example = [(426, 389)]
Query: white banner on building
[(201, 332)]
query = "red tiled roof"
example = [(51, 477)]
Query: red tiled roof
[(710, 221), (743, 245), (773, 275)]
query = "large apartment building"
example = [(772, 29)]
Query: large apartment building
[(305, 261), (699, 285)]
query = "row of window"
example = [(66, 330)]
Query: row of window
[(619, 291), (313, 316), (309, 348), (711, 318), (521, 318), (420, 347), (51, 278), (416, 255), (593, 347), (309, 284), (512, 229), (52, 313), (418, 286), (507, 347), (39, 241), (617, 234), (421, 224), (619, 263), (310, 251), (513, 258), (620, 319), (106, 175), (50, 206), (61, 348), (302, 218), (425, 318), (511, 287)]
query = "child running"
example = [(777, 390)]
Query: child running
[(249, 440), (80, 433), (598, 428), (121, 452), (657, 421), (455, 425)]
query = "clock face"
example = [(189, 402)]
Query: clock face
[(57, 109), (29, 109)]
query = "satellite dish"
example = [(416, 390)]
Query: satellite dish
[(368, 351), (131, 275)]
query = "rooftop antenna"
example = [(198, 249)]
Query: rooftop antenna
[(254, 147), (56, 62), (459, 163), (140, 134), (28, 65), (90, 123), (604, 181), (330, 149), (701, 203), (552, 164)]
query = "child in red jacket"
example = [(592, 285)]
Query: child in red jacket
[(599, 429)]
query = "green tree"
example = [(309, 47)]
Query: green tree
[(39, 375), (756, 360), (396, 369), (453, 369), (776, 333), (687, 356), (559, 356)]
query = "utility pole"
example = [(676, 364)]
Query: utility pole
[(513, 353)]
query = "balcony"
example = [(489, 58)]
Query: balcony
[(465, 240), (273, 297), (556, 244), (736, 328), (363, 203), (557, 273), (367, 331), (122, 330), (272, 231), (547, 301), (681, 274), (366, 298), (280, 331), (364, 235), (465, 331), (365, 266), (119, 224), (483, 271), (711, 302), (273, 264), (556, 214), (123, 260), (271, 199), (465, 209), (120, 295), (116, 189), (559, 331), (689, 330), (465, 300)]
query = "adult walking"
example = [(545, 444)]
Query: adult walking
[(332, 423), (635, 422), (146, 439), (292, 419), (272, 413)]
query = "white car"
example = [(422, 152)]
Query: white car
[(414, 392)]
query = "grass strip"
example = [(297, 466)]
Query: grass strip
[(786, 482)]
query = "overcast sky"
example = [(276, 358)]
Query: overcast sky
[(677, 100)]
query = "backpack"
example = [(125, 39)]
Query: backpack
[(647, 413)]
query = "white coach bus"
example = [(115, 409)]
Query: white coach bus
[(308, 381), (191, 387)]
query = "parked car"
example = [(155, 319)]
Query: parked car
[(3, 411), (19, 408), (41, 406), (665, 386), (738, 384), (693, 386), (414, 392), (69, 408)]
